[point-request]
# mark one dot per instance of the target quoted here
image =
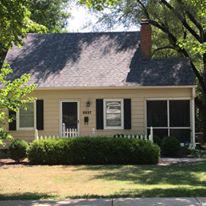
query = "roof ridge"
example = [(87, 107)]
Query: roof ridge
[(105, 32)]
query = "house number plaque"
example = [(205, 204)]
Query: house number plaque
[(87, 112)]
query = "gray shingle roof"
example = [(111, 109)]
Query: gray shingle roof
[(94, 59)]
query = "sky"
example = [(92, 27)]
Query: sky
[(83, 20)]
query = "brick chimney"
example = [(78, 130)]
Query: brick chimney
[(145, 39)]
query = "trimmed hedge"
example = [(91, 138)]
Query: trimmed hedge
[(93, 150), (18, 150)]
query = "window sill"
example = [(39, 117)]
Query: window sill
[(25, 129), (114, 128)]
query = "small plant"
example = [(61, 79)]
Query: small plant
[(170, 146), (18, 150)]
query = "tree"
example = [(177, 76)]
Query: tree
[(50, 13), (13, 95), (18, 17), (15, 22), (178, 29)]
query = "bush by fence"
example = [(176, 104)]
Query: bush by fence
[(18, 149), (93, 150)]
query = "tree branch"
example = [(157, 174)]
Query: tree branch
[(191, 17), (144, 9), (182, 20), (162, 48), (173, 41)]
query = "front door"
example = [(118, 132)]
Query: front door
[(70, 115)]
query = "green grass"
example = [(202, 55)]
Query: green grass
[(59, 182)]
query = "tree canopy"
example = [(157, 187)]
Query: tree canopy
[(18, 17), (53, 14)]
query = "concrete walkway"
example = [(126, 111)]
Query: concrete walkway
[(112, 202)]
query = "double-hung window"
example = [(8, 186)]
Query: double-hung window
[(26, 117), (169, 118), (113, 112)]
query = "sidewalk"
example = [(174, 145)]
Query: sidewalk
[(112, 202)]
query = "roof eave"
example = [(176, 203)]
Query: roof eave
[(114, 87)]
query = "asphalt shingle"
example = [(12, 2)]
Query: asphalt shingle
[(94, 60)]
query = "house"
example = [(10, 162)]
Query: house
[(103, 83)]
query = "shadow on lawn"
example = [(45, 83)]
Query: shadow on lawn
[(26, 196), (177, 175), (176, 192)]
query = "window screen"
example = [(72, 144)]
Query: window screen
[(159, 132), (157, 113), (179, 113), (182, 134)]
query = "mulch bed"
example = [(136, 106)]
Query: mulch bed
[(4, 162)]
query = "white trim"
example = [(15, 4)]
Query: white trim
[(168, 117), (26, 128), (60, 115), (122, 114), (192, 117), (168, 113), (114, 87), (170, 127)]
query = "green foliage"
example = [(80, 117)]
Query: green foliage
[(93, 150), (18, 149), (53, 14), (13, 95), (15, 22), (170, 146)]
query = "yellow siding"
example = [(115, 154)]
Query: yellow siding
[(138, 97)]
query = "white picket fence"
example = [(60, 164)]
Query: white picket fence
[(69, 133), (66, 133), (138, 136)]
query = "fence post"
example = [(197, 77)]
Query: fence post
[(93, 131), (36, 135), (151, 134), (63, 130)]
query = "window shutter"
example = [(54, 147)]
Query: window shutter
[(127, 113), (99, 114), (12, 125), (40, 114)]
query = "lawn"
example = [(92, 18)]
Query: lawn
[(58, 182)]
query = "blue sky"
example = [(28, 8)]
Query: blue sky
[(83, 20)]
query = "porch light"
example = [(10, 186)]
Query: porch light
[(88, 103)]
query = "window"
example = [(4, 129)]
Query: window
[(157, 115), (169, 118), (113, 110), (26, 117)]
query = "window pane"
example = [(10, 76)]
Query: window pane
[(113, 113), (113, 120), (26, 117), (157, 113), (179, 113), (113, 107), (182, 134)]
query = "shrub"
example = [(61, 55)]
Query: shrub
[(170, 146), (93, 150), (18, 149), (157, 140)]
